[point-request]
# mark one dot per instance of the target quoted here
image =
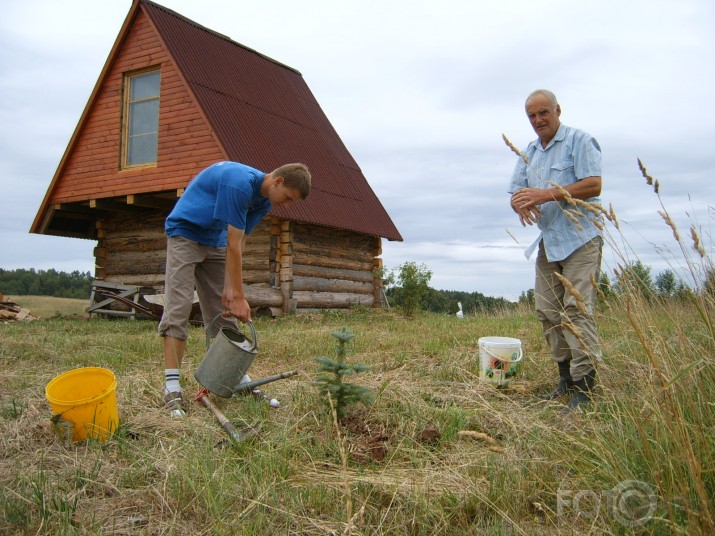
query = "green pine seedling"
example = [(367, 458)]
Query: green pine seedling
[(332, 373)]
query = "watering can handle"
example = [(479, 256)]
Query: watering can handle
[(521, 356), (209, 329)]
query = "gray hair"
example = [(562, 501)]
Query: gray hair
[(546, 93)]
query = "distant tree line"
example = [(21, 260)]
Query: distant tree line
[(407, 287), (445, 301), (636, 279), (50, 282)]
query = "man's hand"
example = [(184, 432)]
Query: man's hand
[(528, 198), (529, 216), (236, 306), (532, 198), (522, 202), (233, 298)]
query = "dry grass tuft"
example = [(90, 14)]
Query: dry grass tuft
[(573, 291), (697, 246), (515, 149)]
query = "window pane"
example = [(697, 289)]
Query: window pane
[(142, 149), (145, 86), (143, 117)]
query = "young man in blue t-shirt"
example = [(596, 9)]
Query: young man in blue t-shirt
[(207, 232)]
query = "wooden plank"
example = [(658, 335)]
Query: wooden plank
[(104, 291), (334, 252), (332, 285), (150, 202), (147, 279), (114, 312), (114, 205), (263, 296), (255, 276), (104, 303), (114, 286), (331, 300), (332, 262), (365, 276), (135, 306)]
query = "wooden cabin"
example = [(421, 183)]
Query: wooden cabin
[(174, 97)]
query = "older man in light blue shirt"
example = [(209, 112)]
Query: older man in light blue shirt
[(563, 164)]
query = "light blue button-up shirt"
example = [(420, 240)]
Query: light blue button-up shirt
[(570, 156)]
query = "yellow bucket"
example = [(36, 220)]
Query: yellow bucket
[(85, 400)]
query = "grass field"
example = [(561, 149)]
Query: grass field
[(47, 307), (439, 451), (641, 461)]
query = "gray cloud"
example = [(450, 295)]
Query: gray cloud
[(420, 93)]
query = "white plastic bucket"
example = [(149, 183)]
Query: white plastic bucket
[(499, 359)]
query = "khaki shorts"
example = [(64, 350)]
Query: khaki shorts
[(190, 266)]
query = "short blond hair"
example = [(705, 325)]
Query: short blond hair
[(295, 176)]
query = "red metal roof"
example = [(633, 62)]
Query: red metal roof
[(265, 115)]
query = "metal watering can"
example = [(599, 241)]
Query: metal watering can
[(227, 359)]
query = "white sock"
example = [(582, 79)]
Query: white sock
[(172, 381)]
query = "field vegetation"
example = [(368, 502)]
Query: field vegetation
[(402, 465), (438, 451), (44, 307)]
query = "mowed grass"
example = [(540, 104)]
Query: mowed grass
[(47, 306), (640, 461)]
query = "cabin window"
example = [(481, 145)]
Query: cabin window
[(141, 119)]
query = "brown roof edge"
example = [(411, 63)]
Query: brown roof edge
[(217, 34), (40, 222)]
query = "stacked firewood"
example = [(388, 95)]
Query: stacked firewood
[(12, 312)]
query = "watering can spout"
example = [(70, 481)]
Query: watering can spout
[(251, 385)]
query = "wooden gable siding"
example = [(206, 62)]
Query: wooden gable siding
[(186, 141)]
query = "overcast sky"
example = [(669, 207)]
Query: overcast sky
[(420, 93)]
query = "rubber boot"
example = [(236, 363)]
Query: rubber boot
[(581, 392), (565, 383)]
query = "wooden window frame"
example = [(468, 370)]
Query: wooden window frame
[(126, 102)]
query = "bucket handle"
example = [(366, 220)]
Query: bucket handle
[(209, 329), (521, 355)]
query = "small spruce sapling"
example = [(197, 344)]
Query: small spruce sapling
[(331, 375)]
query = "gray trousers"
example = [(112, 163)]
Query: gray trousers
[(570, 334), (190, 265)]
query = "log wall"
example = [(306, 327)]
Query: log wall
[(287, 266), (333, 269), (132, 251)]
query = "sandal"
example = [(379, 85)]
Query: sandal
[(175, 404)]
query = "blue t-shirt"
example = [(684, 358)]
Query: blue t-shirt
[(223, 194)]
